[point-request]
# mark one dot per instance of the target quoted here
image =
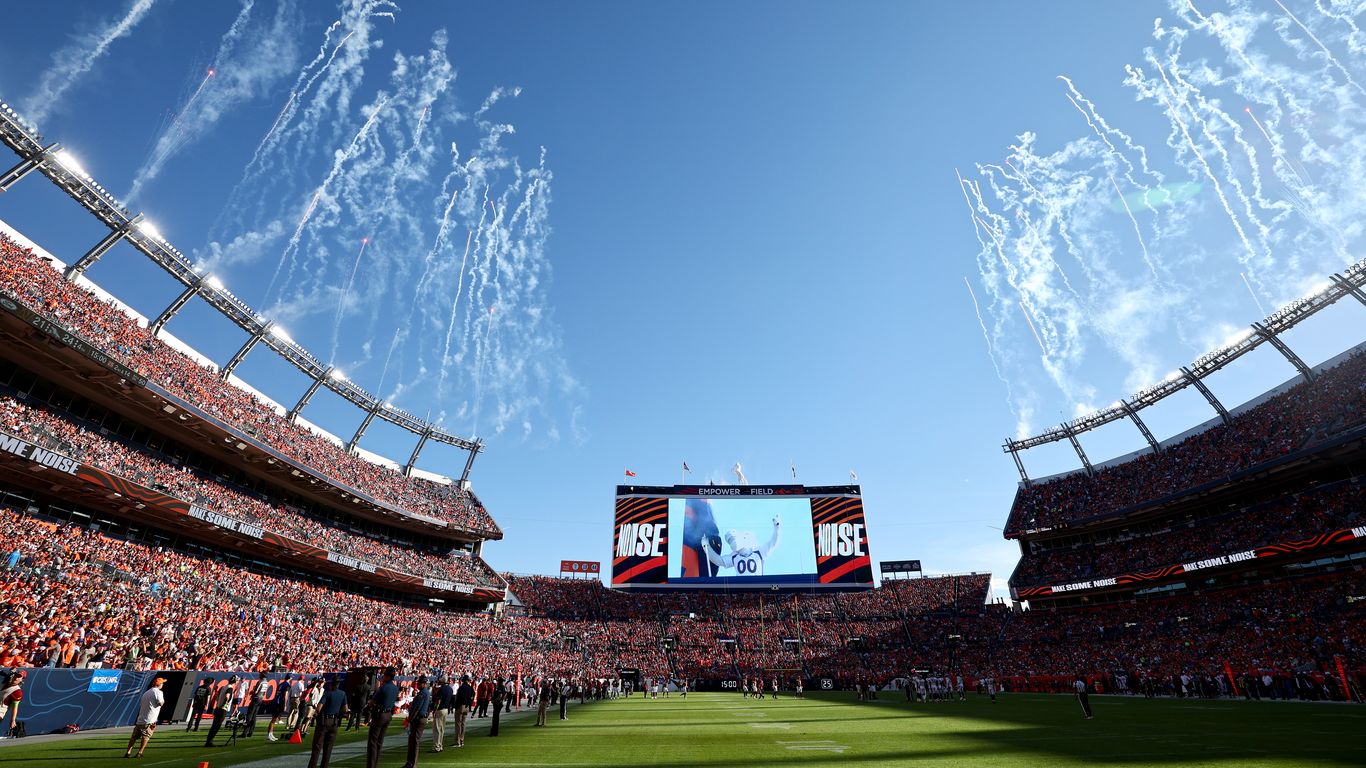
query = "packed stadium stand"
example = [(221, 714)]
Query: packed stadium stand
[(1277, 491), (200, 456), (1230, 561), (34, 283), (156, 515)]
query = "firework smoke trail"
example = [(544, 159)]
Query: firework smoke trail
[(481, 358), (1138, 233), (1042, 347), (1175, 116), (339, 161), (1332, 60), (1217, 115), (172, 138), (300, 87), (341, 305), (434, 77), (1051, 209), (989, 274), (324, 87), (77, 58), (1092, 113), (1277, 148), (194, 96), (450, 323), (1253, 294), (1301, 99), (991, 350), (1353, 38), (252, 57)]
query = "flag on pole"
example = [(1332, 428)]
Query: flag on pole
[(629, 473), (686, 468), (794, 469), (853, 475)]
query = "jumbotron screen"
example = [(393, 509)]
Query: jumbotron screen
[(740, 536)]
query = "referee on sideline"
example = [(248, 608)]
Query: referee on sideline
[(1083, 696)]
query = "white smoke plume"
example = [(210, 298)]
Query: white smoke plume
[(252, 57), (72, 61), (453, 273)]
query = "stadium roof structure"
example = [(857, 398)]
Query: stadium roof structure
[(62, 170), (1349, 282)]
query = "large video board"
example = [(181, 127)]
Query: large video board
[(740, 536)]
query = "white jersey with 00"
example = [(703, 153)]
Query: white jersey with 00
[(747, 561), (751, 564)]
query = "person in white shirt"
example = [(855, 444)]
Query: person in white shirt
[(746, 556), (1083, 697), (149, 709)]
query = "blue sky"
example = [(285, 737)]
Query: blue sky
[(745, 240)]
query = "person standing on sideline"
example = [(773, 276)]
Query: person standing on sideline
[(199, 702), (418, 711), (1082, 696), (357, 704), (443, 697), (464, 699), (294, 693), (258, 692), (499, 694), (312, 698), (800, 688), (219, 703), (564, 700), (542, 699), (149, 709), (331, 710), (382, 711), (485, 696)]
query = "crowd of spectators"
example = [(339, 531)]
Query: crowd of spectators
[(1300, 417), (1281, 629), (35, 283), (1288, 517), (57, 431), (78, 597)]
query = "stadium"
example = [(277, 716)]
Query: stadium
[(198, 573)]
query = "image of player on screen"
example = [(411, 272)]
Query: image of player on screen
[(698, 525), (745, 555)]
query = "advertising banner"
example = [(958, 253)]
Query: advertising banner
[(1177, 569)]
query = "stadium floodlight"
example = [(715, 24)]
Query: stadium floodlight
[(1173, 376), (1238, 338), (336, 375), (214, 282), (149, 229), (70, 163), (281, 334)]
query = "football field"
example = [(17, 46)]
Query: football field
[(728, 731)]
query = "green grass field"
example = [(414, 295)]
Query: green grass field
[(727, 731)]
